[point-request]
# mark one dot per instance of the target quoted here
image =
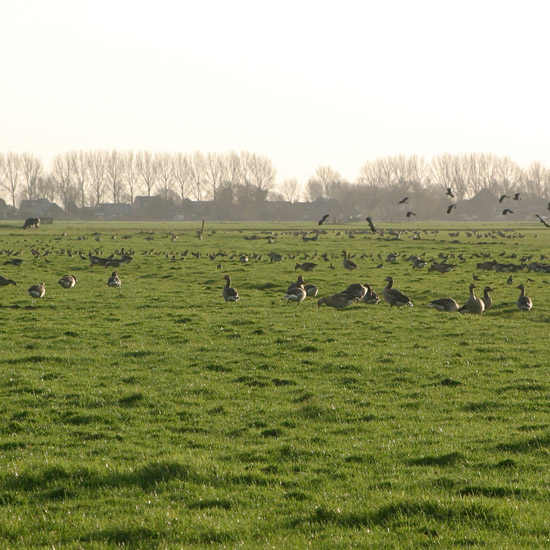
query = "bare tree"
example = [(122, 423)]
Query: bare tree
[(148, 170), (46, 188), (63, 175), (233, 168), (97, 164), (11, 172), (537, 180), (165, 165), (130, 174), (329, 178), (290, 190), (261, 175), (182, 175), (448, 171), (214, 173), (31, 170), (197, 170), (81, 175), (114, 173), (314, 190)]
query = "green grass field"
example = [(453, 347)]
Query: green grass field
[(158, 416)]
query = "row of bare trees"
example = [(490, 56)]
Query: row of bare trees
[(88, 178)]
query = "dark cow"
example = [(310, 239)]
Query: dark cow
[(31, 222)]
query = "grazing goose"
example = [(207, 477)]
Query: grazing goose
[(229, 293), (487, 300), (114, 280), (444, 304), (355, 290), (299, 283), (338, 301), (347, 263), (4, 281), (295, 294), (68, 281), (37, 291), (473, 304), (524, 303), (306, 266), (395, 297), (370, 297)]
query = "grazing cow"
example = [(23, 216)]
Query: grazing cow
[(31, 222)]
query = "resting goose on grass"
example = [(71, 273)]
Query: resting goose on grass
[(524, 303), (338, 301), (37, 291), (444, 304), (114, 280), (68, 281)]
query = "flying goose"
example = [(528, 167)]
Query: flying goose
[(338, 301), (68, 281), (370, 297), (487, 300), (4, 281), (347, 263), (37, 291), (473, 304), (229, 293), (524, 303), (114, 280), (444, 304), (395, 297)]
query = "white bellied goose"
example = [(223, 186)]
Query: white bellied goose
[(114, 280), (338, 301), (444, 304), (347, 263), (524, 303), (37, 291), (395, 297), (68, 281), (473, 304), (229, 293), (295, 294)]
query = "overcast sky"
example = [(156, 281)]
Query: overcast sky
[(304, 83)]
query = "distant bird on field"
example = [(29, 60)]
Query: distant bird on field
[(450, 208), (516, 196), (507, 211), (4, 281), (510, 280), (114, 280), (14, 261), (502, 197), (37, 291), (444, 304), (68, 281), (524, 303), (229, 293), (323, 219), (395, 297), (347, 263), (475, 277), (306, 266), (338, 301), (410, 213), (542, 220), (371, 224), (474, 304), (450, 193), (403, 201)]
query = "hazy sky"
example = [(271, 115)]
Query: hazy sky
[(305, 83)]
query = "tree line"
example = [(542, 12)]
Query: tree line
[(89, 178)]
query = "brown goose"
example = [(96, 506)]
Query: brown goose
[(444, 304), (473, 304), (295, 294), (68, 281), (395, 297), (229, 293), (347, 263), (4, 281), (306, 266), (487, 300), (37, 291), (114, 280), (338, 301), (524, 303), (370, 297), (355, 290)]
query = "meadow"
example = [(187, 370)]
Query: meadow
[(158, 416)]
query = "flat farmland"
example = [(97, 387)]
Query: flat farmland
[(155, 415)]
